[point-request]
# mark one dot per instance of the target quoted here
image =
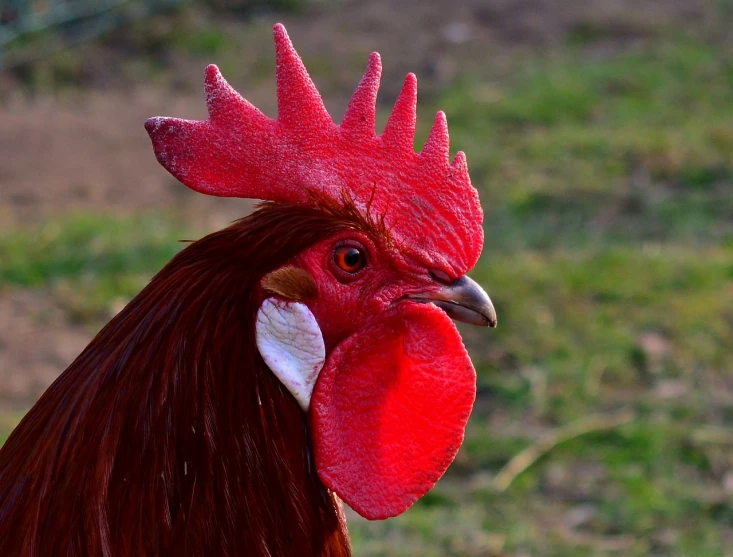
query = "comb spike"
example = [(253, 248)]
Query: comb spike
[(298, 101), (459, 163), (240, 152), (223, 101), (400, 129), (362, 110), (437, 147)]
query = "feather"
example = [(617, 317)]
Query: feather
[(168, 434)]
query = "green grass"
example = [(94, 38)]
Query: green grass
[(573, 151), (91, 262), (608, 189)]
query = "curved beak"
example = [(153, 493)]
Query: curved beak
[(463, 300)]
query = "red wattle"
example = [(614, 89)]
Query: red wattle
[(390, 408)]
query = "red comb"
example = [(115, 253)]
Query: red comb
[(427, 202)]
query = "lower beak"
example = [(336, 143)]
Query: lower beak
[(464, 300)]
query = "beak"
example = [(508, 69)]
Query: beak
[(464, 300)]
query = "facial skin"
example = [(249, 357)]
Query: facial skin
[(375, 277), (347, 300)]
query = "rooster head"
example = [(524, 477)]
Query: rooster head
[(358, 325)]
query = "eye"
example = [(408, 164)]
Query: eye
[(349, 258), (442, 277)]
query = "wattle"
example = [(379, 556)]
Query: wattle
[(390, 408)]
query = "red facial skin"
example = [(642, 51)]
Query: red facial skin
[(347, 301)]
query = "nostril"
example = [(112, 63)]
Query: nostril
[(442, 277)]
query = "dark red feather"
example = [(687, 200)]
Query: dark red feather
[(168, 435)]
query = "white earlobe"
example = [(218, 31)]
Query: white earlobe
[(291, 344)]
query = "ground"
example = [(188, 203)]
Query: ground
[(600, 136)]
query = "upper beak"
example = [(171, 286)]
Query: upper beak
[(464, 300)]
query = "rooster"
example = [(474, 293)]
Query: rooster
[(302, 357)]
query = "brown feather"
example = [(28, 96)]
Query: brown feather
[(168, 435), (291, 283)]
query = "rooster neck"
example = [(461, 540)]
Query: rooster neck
[(168, 434)]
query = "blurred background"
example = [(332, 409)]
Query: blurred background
[(600, 136)]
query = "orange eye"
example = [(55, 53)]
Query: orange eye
[(349, 258)]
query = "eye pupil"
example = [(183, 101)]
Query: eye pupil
[(349, 258), (352, 257)]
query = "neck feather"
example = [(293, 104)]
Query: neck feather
[(168, 435)]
